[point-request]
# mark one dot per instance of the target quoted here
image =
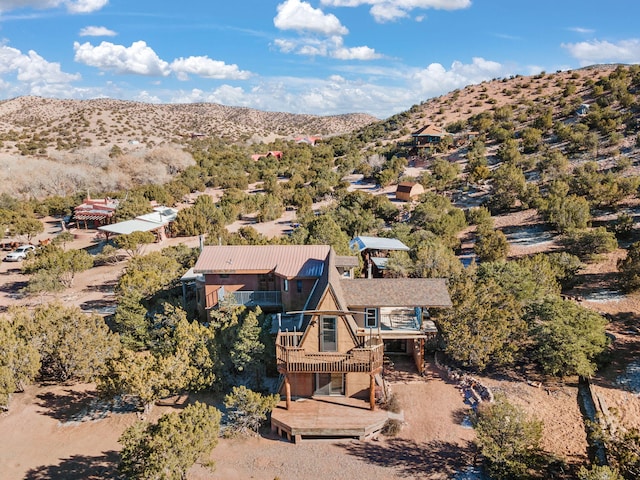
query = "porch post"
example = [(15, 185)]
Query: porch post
[(421, 356), (287, 391), (372, 392)]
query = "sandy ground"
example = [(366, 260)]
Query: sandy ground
[(45, 441)]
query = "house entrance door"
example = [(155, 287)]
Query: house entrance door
[(329, 384)]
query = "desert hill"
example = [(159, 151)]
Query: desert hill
[(76, 123), (561, 91), (71, 142)]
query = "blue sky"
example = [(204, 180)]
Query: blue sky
[(301, 56)]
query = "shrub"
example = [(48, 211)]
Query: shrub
[(629, 268), (391, 427), (508, 439), (392, 404), (588, 244), (247, 410), (169, 448)]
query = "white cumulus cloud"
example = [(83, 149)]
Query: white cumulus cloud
[(138, 59), (389, 10), (34, 74), (595, 51), (73, 6), (93, 31), (327, 47), (302, 17), (85, 6), (355, 53), (206, 68), (437, 80)]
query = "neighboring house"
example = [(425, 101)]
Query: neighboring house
[(428, 136), (375, 253), (272, 154), (332, 331), (275, 277), (308, 140), (95, 211), (157, 222), (407, 191)]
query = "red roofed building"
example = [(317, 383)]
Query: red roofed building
[(99, 211), (275, 154)]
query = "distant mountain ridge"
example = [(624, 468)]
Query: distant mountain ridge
[(106, 121)]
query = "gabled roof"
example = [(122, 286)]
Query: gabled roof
[(329, 284), (395, 292), (430, 131), (408, 186), (377, 243), (274, 153), (288, 261)]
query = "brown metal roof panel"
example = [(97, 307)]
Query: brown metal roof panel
[(289, 261)]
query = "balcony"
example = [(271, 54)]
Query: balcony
[(248, 298), (254, 298), (292, 358), (403, 320)]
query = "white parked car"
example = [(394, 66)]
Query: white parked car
[(19, 253)]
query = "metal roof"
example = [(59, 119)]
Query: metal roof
[(288, 261), (130, 226), (190, 276), (380, 262), (160, 216), (377, 243)]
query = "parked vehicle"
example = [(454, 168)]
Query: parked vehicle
[(19, 253)]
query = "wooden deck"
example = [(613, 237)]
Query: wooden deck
[(327, 417)]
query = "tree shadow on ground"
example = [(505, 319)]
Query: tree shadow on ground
[(624, 336), (410, 458), (107, 286), (79, 467), (14, 288), (64, 406), (462, 416), (102, 306)]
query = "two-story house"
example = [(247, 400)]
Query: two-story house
[(338, 328)]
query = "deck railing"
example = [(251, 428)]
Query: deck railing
[(249, 298), (396, 321), (292, 358)]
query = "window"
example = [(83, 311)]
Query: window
[(371, 317), (266, 282), (286, 285), (329, 384), (299, 286), (224, 275), (328, 334)]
